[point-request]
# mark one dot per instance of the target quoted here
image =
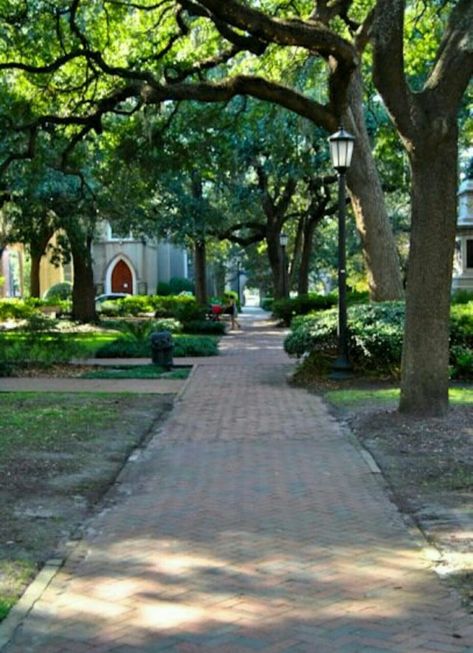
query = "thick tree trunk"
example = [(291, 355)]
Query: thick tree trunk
[(424, 384), (200, 264), (83, 291), (35, 289), (298, 244), (304, 270), (367, 198), (276, 263)]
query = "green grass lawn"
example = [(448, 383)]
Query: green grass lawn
[(55, 447), (457, 395), (58, 347)]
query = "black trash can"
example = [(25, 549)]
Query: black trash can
[(161, 348)]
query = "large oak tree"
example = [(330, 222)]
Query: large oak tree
[(112, 53)]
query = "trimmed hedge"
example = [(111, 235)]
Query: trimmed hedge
[(376, 336), (15, 309), (183, 308), (287, 309), (210, 327), (266, 303), (25, 309), (126, 347), (59, 291)]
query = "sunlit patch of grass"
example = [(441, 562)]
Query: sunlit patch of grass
[(14, 574), (458, 395), (54, 418)]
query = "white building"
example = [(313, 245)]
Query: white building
[(120, 264), (134, 265), (463, 261)]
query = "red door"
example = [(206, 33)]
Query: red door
[(122, 280)]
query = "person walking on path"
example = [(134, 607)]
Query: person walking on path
[(232, 310), (250, 523)]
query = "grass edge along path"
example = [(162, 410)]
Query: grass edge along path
[(457, 395), (47, 469)]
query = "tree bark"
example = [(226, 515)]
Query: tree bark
[(304, 269), (200, 265), (37, 251), (275, 262), (372, 221), (83, 291), (427, 124), (35, 289), (425, 379), (298, 244)]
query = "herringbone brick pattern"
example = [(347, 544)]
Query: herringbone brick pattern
[(250, 523)]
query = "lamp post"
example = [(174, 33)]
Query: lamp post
[(283, 238), (341, 150)]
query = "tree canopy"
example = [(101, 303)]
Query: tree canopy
[(76, 69)]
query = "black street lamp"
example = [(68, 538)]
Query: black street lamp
[(283, 238), (341, 150)]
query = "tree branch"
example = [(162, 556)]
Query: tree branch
[(257, 87), (388, 62), (454, 63), (312, 35)]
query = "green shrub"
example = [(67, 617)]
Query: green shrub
[(40, 323), (187, 312), (59, 291), (15, 309), (163, 289), (179, 284), (141, 329), (110, 308), (287, 309), (375, 335), (206, 326), (461, 363), (135, 304), (266, 303), (461, 325), (126, 347), (181, 307), (167, 324), (195, 346), (356, 297), (36, 348), (462, 296)]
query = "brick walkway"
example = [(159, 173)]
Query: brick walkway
[(250, 523)]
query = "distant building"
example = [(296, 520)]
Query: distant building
[(134, 265), (463, 261), (121, 264)]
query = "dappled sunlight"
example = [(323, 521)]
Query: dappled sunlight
[(171, 586), (249, 522)]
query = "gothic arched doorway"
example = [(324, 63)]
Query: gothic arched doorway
[(122, 278)]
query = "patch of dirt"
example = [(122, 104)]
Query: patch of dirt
[(428, 465), (47, 493)]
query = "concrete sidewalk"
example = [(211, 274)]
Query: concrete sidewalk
[(250, 523)]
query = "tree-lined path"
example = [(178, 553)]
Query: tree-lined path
[(250, 523)]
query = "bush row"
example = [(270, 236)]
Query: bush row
[(183, 345), (376, 336), (23, 309), (286, 309)]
